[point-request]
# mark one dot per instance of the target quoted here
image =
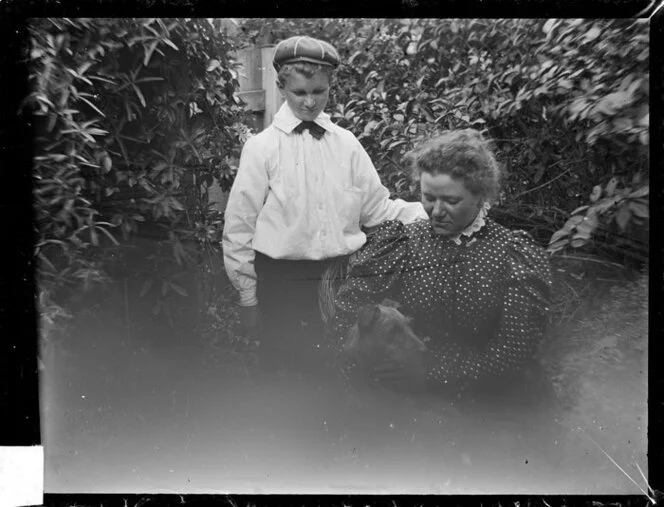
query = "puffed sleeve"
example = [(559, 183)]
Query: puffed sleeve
[(374, 273), (524, 298)]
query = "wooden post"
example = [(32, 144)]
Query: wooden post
[(251, 88), (258, 88), (273, 98)]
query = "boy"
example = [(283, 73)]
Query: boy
[(303, 190)]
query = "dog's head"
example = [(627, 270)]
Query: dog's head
[(382, 331)]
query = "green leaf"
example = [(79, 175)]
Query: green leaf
[(622, 217), (84, 68), (596, 193), (639, 208), (212, 64), (587, 226), (139, 94), (180, 290), (170, 43), (48, 263), (611, 186), (109, 235), (565, 84), (175, 204), (572, 222), (579, 209), (592, 34), (107, 164), (103, 79), (97, 132), (640, 192), (607, 203), (149, 79), (613, 102), (549, 25), (558, 235), (146, 287), (578, 242), (558, 245), (45, 100), (148, 52), (92, 105)]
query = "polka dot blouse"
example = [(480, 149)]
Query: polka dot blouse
[(481, 301)]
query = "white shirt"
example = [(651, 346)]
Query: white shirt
[(295, 197)]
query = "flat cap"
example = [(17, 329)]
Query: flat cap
[(305, 49)]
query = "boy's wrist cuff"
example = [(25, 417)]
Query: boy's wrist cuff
[(248, 298)]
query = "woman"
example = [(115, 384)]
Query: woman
[(476, 290)]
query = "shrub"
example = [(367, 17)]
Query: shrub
[(134, 119), (566, 102)]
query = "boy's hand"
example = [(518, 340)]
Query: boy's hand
[(250, 319)]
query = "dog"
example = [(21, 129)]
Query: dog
[(382, 333)]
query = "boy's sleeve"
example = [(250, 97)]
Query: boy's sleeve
[(245, 201), (377, 207)]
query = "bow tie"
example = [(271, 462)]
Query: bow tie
[(314, 129)]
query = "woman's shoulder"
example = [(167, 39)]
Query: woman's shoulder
[(513, 238), (393, 229), (391, 239), (418, 230), (524, 256)]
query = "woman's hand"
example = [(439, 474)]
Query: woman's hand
[(250, 319)]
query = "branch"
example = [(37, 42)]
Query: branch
[(543, 184)]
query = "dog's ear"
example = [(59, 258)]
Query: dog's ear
[(391, 303), (367, 316), (421, 345)]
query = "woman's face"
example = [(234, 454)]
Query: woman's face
[(450, 205), (306, 96)]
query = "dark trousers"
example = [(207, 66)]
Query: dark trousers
[(288, 299)]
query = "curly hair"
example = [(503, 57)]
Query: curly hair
[(462, 154), (305, 68)]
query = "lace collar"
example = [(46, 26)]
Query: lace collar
[(475, 225)]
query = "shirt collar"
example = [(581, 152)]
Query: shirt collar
[(286, 121)]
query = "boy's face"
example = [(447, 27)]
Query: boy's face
[(306, 96)]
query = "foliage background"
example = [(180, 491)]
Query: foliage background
[(566, 101), (135, 118)]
